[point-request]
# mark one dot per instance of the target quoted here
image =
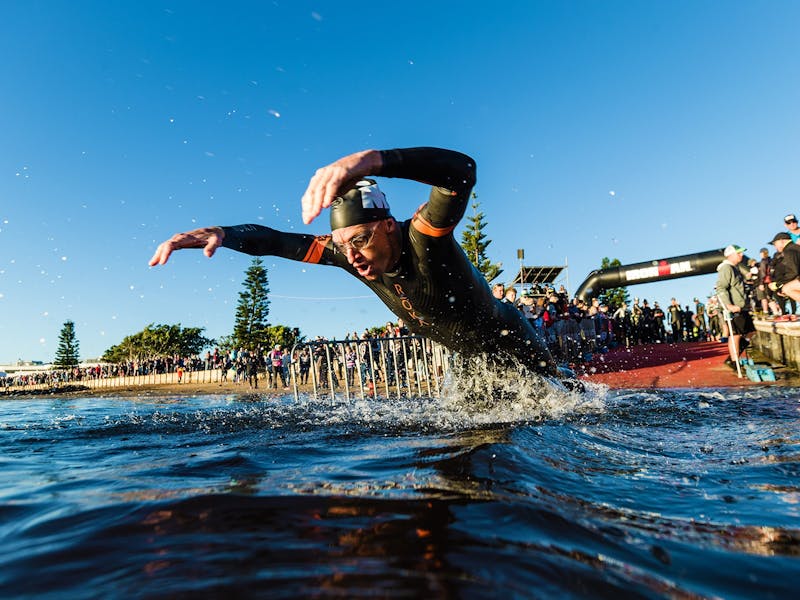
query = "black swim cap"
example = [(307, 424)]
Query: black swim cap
[(365, 203)]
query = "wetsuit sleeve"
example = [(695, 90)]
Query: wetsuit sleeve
[(452, 175), (258, 240)]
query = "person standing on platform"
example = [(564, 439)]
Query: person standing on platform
[(731, 293)]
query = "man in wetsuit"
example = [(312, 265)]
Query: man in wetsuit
[(415, 267)]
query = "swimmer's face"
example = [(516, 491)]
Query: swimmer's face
[(371, 249)]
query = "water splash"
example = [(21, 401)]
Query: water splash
[(484, 394)]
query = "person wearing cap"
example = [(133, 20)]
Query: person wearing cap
[(790, 221), (787, 267), (731, 293), (416, 267)]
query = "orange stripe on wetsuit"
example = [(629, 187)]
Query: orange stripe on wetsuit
[(315, 250), (425, 227)]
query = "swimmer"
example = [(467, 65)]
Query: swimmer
[(416, 267)]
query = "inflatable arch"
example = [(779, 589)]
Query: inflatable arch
[(688, 265)]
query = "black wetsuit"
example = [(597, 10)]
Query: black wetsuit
[(434, 287)]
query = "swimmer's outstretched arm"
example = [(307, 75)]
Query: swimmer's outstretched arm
[(336, 178), (255, 240), (434, 166)]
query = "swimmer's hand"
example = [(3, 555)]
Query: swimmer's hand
[(335, 179), (207, 238)]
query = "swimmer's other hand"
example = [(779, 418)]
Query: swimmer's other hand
[(207, 238)]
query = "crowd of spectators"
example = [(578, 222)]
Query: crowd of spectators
[(575, 329)]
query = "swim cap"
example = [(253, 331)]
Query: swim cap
[(365, 203)]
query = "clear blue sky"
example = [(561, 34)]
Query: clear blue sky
[(629, 129)]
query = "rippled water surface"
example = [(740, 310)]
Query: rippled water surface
[(654, 494)]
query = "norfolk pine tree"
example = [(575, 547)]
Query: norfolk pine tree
[(251, 328), (67, 353), (474, 243)]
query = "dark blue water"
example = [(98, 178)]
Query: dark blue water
[(618, 494)]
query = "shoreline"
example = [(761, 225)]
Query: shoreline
[(152, 389)]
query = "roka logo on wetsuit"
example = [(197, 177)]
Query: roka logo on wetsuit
[(409, 308)]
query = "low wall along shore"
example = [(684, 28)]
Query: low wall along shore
[(779, 341), (204, 376)]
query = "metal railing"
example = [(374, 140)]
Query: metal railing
[(391, 366)]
